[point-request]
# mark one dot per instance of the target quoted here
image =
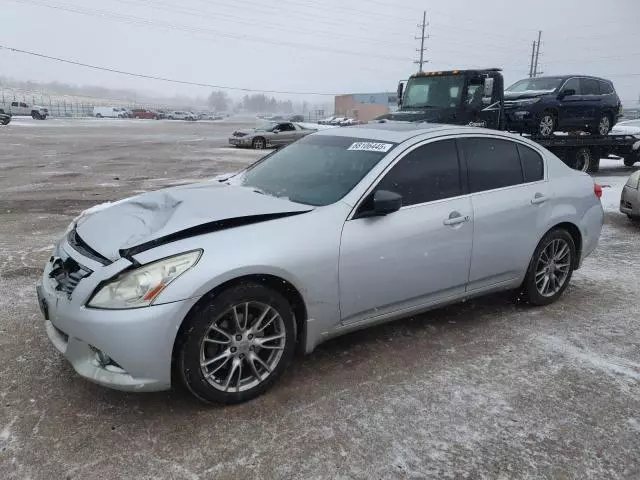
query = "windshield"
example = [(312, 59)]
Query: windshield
[(316, 170), (266, 127), (545, 84), (434, 92)]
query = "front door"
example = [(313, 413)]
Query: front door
[(571, 109), (511, 202), (285, 135), (418, 255)]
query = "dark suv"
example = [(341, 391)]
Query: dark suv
[(567, 103)]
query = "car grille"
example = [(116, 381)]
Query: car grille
[(239, 134), (67, 273)]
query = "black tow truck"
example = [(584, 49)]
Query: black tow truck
[(476, 98)]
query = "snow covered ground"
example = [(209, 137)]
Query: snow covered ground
[(483, 390)]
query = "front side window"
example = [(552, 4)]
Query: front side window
[(573, 84), (428, 173), (492, 163), (316, 170), (434, 92)]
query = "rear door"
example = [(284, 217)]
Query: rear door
[(510, 198), (592, 100)]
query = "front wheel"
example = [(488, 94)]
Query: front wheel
[(259, 143), (547, 124), (237, 344), (36, 116), (629, 161), (550, 269)]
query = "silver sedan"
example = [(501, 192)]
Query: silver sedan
[(269, 135), (630, 198), (220, 282)]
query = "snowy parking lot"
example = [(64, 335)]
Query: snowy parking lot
[(482, 390)]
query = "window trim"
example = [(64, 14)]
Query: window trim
[(567, 81), (462, 171)]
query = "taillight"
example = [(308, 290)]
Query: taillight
[(597, 189)]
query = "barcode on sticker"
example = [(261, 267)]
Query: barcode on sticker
[(371, 147)]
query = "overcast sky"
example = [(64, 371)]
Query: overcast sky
[(332, 46)]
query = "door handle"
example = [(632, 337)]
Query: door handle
[(455, 219), (538, 199)]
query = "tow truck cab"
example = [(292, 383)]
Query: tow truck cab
[(460, 97)]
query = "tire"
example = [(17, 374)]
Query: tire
[(629, 161), (635, 219), (547, 124), (36, 116), (536, 293), (259, 143), (98, 115), (604, 125), (155, 117), (5, 121), (170, 117), (584, 161), (225, 385)]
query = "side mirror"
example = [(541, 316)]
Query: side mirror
[(385, 202), (566, 93), (488, 87), (400, 92)]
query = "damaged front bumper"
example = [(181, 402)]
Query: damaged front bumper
[(127, 350)]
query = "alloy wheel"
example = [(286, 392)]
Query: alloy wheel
[(546, 125), (259, 144), (242, 346), (553, 267), (604, 126)]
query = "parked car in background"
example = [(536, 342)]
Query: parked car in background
[(326, 121), (180, 115), (143, 113), (348, 121), (210, 116), (270, 135), (337, 120), (544, 105), (5, 118), (629, 127), (630, 198), (22, 109), (217, 284), (108, 112)]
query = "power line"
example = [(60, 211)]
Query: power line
[(191, 29), (163, 79)]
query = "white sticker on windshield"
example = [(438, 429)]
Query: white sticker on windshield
[(371, 147)]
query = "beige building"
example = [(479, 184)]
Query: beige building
[(364, 106)]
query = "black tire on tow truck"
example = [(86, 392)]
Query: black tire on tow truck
[(584, 159)]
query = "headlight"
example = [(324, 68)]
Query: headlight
[(528, 101), (140, 287)]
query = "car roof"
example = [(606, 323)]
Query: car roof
[(566, 77), (396, 132)]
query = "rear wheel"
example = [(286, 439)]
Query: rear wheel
[(237, 345), (550, 269), (98, 115), (585, 161), (604, 125), (259, 143), (629, 161)]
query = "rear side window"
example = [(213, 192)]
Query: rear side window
[(492, 163), (532, 164), (606, 88), (428, 173), (590, 86)]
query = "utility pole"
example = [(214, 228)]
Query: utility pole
[(535, 67), (421, 38), (533, 53)]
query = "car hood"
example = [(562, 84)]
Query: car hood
[(526, 94), (139, 223), (622, 129)]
